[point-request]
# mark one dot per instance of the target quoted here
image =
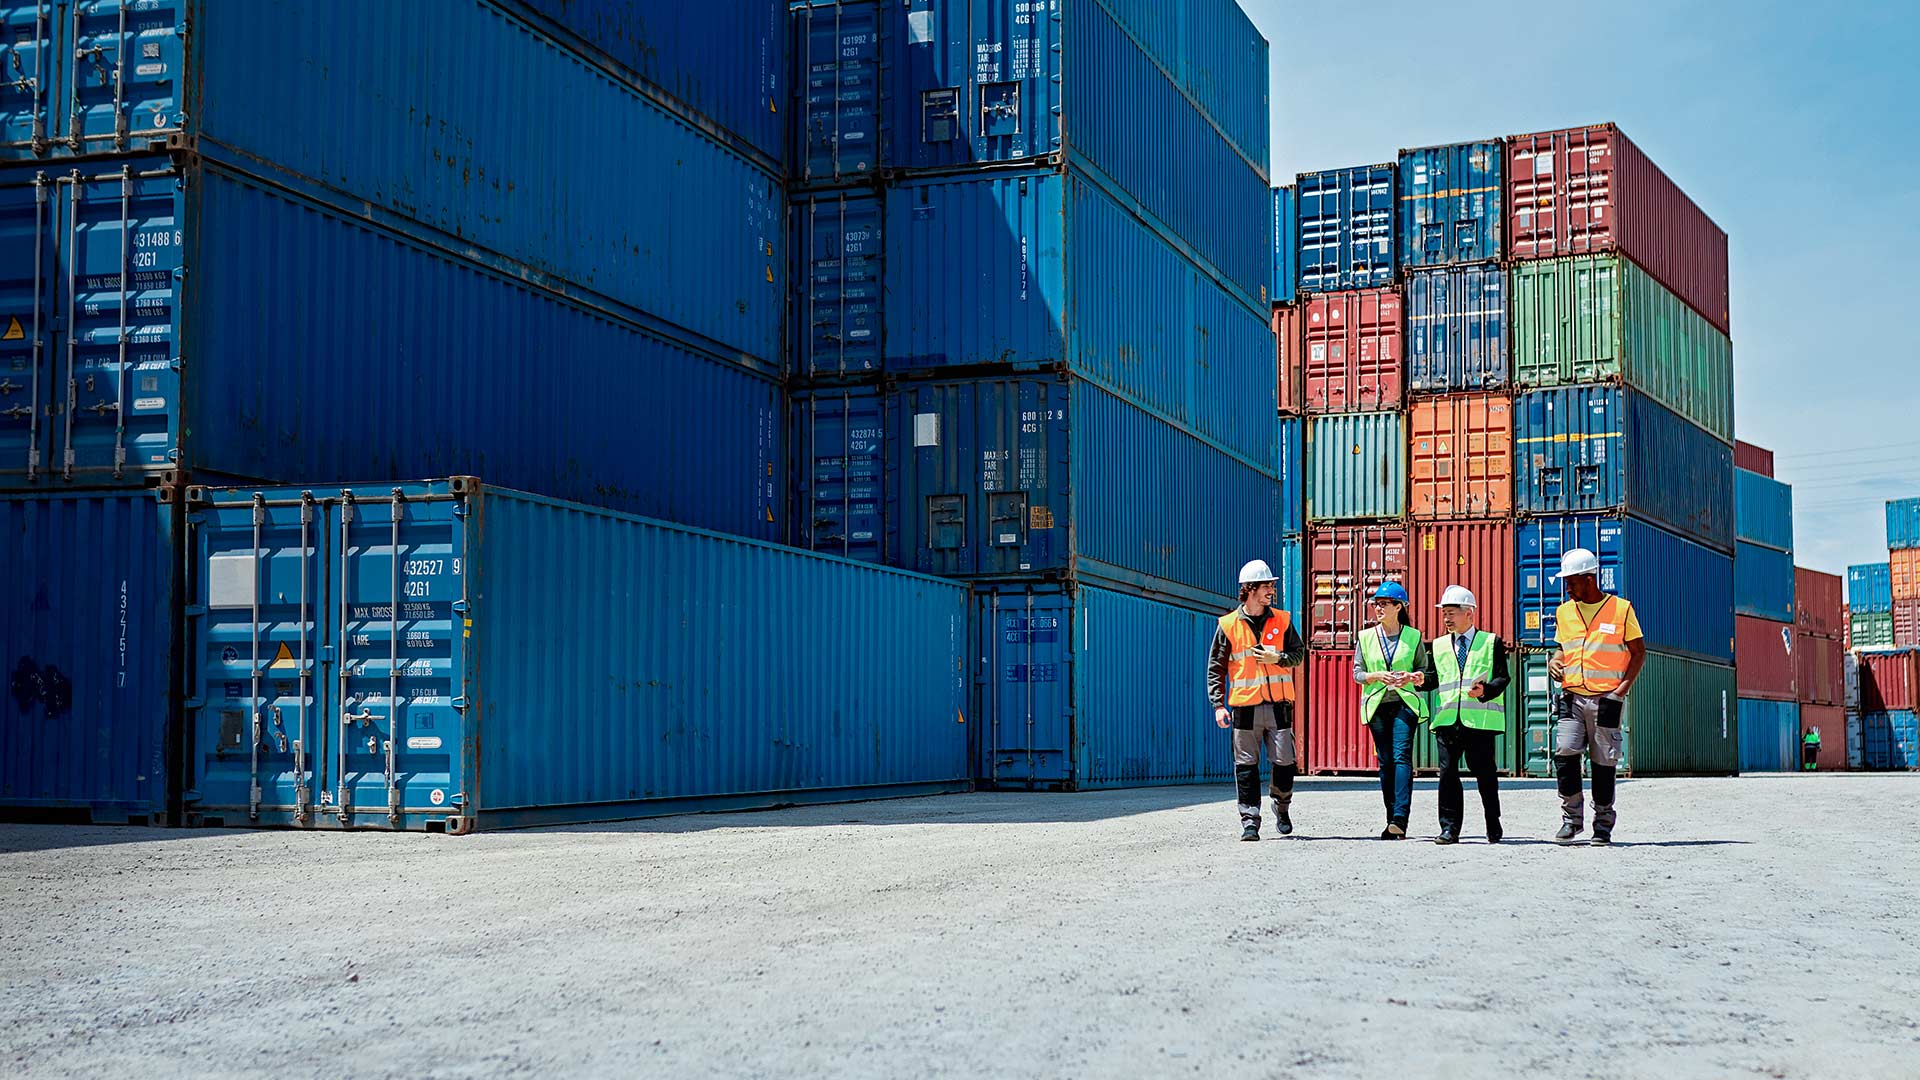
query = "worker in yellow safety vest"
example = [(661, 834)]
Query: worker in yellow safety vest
[(1250, 683), (1601, 651), (1394, 669), (1468, 712)]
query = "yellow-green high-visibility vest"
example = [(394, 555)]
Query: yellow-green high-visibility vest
[(1374, 658), (1451, 703)]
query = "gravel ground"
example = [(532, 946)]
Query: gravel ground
[(1766, 926)]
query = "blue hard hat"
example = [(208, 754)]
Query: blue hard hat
[(1391, 590)]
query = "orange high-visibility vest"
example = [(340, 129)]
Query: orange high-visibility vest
[(1250, 682), (1597, 663)]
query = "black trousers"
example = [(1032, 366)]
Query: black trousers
[(1457, 741)]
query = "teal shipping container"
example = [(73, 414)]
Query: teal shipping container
[(1356, 466), (1769, 736), (1870, 588), (442, 656), (1762, 582), (1762, 511), (1681, 719)]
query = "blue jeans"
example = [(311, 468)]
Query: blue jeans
[(1393, 745)]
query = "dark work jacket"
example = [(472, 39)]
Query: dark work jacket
[(1293, 652)]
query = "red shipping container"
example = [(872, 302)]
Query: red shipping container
[(1334, 738), (1752, 458), (1819, 602), (1905, 564), (1906, 622), (1763, 654), (1832, 722), (1460, 457), (1586, 190), (1819, 674), (1476, 554), (1345, 564), (1888, 679), (1353, 359), (1287, 357)]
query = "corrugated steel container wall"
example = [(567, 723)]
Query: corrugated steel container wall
[(839, 124), (1819, 604), (1593, 448), (1354, 357), (989, 81), (838, 312), (557, 600), (1870, 630), (1889, 679), (1752, 458), (1762, 582), (1537, 693), (1890, 740), (1869, 588), (1016, 269), (1850, 672), (1286, 246), (1017, 477), (1831, 722), (839, 440), (1769, 736), (1293, 583), (1460, 457), (1344, 564), (1818, 670), (1452, 204), (1476, 554), (1093, 689), (1764, 655), (1329, 731), (1590, 189), (1681, 719), (87, 610), (1289, 340), (1357, 466), (1599, 318), (1644, 563), (1762, 510), (1906, 622), (198, 398), (1903, 574), (1293, 476), (1903, 523), (1346, 228), (1217, 55), (1456, 329)]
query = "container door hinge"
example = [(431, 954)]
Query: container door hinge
[(460, 607), (460, 702)]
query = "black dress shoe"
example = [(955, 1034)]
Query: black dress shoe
[(1568, 830), (1494, 834), (1448, 835)]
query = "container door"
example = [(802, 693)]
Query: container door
[(839, 240), (29, 77), (837, 48), (1537, 694), (840, 438), (26, 321), (400, 621), (124, 89), (1026, 698), (257, 703)]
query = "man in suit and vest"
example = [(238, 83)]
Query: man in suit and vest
[(1250, 682), (1468, 712), (1601, 653)]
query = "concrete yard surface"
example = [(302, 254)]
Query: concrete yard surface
[(1763, 926)]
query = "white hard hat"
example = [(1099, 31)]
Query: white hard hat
[(1457, 596), (1257, 572), (1576, 562)]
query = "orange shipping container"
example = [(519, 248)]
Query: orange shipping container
[(1906, 573), (1461, 459), (1352, 360), (1476, 554), (1287, 357)]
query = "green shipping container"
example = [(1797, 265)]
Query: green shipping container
[(1426, 751), (1872, 629), (1681, 718), (1600, 318)]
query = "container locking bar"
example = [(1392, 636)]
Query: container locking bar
[(393, 658)]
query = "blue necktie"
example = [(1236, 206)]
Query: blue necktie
[(1460, 649)]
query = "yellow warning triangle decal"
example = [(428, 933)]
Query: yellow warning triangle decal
[(283, 658), (14, 331)]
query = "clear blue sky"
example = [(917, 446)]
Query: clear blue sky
[(1795, 126)]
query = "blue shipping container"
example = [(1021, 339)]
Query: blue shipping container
[(689, 231), (1681, 591), (838, 314), (1452, 203), (87, 631), (1762, 510), (1903, 523), (839, 134), (1601, 447), (982, 81), (1456, 329), (181, 284), (1870, 588), (1769, 736), (1346, 228), (1762, 582), (440, 655), (1018, 269), (1029, 477), (1094, 688), (1286, 246), (1293, 582), (1890, 740), (1293, 478), (839, 440)]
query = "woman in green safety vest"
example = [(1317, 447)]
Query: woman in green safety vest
[(1469, 711), (1394, 671)]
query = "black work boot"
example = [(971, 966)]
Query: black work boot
[(1282, 821), (1569, 829), (1250, 831), (1602, 836), (1449, 834), (1494, 832)]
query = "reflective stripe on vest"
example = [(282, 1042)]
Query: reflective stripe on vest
[(1451, 705), (1250, 682), (1598, 664), (1373, 658)]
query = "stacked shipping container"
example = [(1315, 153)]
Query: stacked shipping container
[(1818, 662), (1765, 633)]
